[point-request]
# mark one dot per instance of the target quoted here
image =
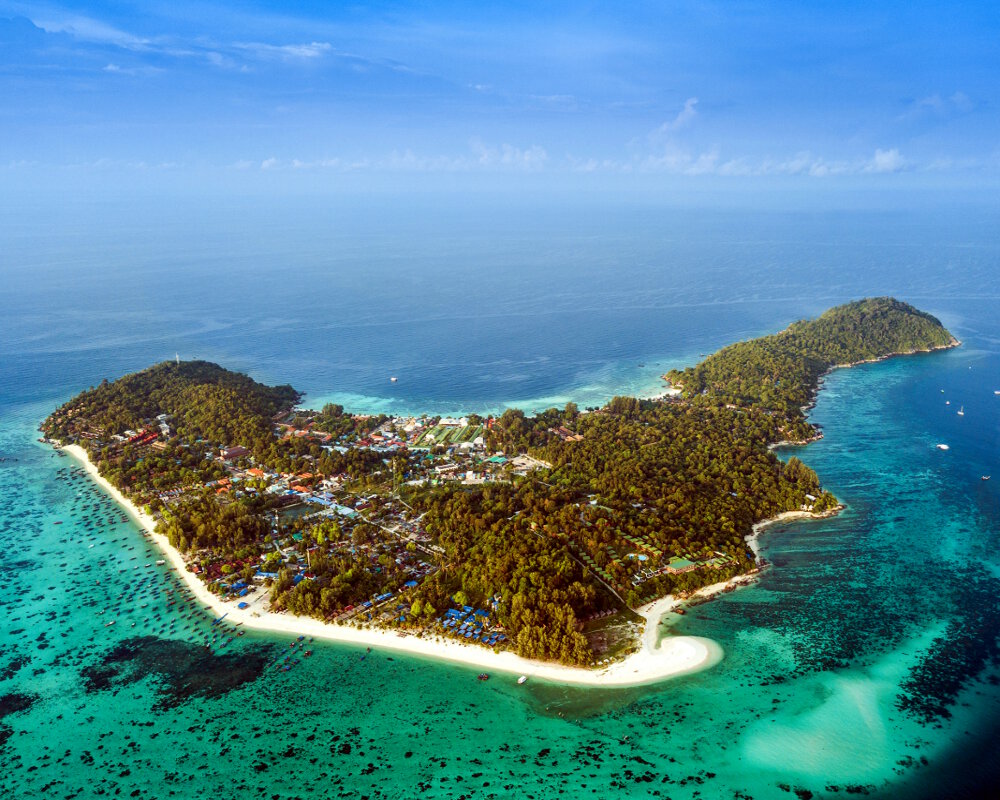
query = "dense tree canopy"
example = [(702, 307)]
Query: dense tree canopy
[(203, 401), (780, 373)]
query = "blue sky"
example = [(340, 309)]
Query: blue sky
[(650, 94)]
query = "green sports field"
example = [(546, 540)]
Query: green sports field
[(448, 435)]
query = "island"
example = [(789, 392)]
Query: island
[(548, 544)]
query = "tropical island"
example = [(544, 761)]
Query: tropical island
[(539, 535)]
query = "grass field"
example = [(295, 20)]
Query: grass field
[(445, 435)]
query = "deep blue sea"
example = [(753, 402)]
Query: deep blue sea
[(863, 663)]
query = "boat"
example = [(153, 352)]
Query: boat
[(985, 477), (961, 411), (942, 447), (393, 379), (996, 391), (484, 676), (522, 679), (160, 562)]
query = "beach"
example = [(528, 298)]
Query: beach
[(785, 516), (653, 662)]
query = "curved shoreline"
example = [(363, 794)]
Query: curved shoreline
[(655, 660), (786, 516)]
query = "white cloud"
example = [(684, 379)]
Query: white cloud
[(597, 165), (961, 101), (287, 52), (90, 30), (885, 161), (934, 105), (684, 117), (680, 162), (506, 155)]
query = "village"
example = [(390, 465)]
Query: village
[(312, 515)]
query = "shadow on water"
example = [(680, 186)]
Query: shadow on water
[(183, 670), (12, 704), (580, 704)]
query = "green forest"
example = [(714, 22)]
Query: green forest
[(633, 500), (780, 373), (203, 400)]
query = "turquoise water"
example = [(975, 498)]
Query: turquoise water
[(863, 661)]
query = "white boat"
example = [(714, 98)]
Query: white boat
[(160, 562), (942, 447), (961, 411), (393, 379), (522, 679), (996, 391)]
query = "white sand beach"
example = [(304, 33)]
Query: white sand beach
[(786, 516), (654, 661)]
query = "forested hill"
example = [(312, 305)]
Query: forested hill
[(203, 401), (780, 373)]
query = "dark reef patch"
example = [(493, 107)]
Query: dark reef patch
[(182, 670), (11, 668), (967, 647), (12, 703)]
